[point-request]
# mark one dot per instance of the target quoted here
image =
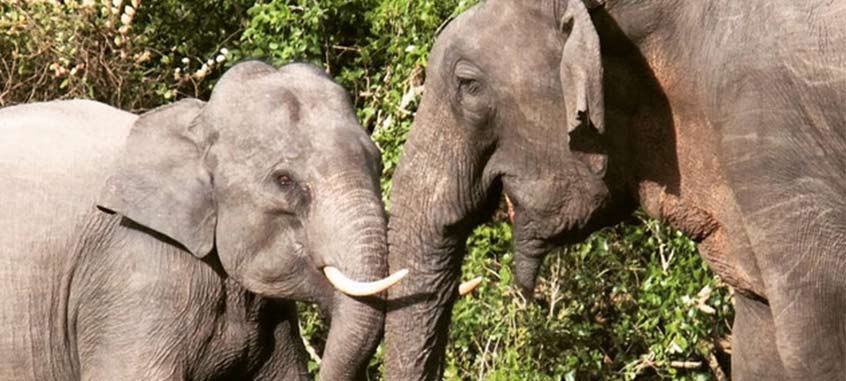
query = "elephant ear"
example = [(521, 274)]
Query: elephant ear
[(581, 68), (161, 182)]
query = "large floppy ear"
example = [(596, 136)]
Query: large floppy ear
[(581, 68), (161, 182)]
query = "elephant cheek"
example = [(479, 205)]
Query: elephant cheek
[(270, 260)]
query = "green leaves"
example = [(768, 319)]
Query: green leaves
[(609, 308), (131, 54)]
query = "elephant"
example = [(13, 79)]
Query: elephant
[(723, 119), (174, 244)]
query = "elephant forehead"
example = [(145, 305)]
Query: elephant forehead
[(293, 117), (277, 99), (318, 149), (265, 137), (280, 120), (343, 150), (512, 43)]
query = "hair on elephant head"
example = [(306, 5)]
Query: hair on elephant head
[(500, 75), (275, 177)]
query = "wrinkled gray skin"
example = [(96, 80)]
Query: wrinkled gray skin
[(213, 218), (723, 118)]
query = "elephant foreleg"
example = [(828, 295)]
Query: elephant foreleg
[(288, 360), (800, 247), (754, 352)]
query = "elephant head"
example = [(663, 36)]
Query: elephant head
[(513, 103), (274, 179)]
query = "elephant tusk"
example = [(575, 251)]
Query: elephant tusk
[(510, 208), (469, 286), (355, 288)]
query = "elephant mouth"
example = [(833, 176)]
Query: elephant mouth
[(540, 245), (546, 236)]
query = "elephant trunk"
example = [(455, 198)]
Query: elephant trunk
[(355, 245), (419, 310), (426, 235), (356, 330)]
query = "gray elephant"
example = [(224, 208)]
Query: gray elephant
[(723, 118), (213, 218)]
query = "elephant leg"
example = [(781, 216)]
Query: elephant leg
[(786, 170), (810, 327), (111, 346), (803, 268), (803, 265), (754, 352), (801, 255), (289, 357)]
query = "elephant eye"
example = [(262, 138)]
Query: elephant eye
[(469, 86), (284, 180), (467, 77), (286, 194)]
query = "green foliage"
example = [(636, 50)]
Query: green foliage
[(632, 302), (127, 53)]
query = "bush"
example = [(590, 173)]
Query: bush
[(125, 53), (632, 302)]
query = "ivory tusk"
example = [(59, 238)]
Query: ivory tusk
[(510, 208), (355, 288), (469, 286)]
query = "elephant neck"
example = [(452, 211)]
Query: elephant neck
[(664, 33), (653, 58), (650, 23)]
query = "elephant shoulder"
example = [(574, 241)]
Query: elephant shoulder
[(137, 287), (53, 158)]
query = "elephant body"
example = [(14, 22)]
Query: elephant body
[(174, 244), (47, 191), (751, 164), (87, 299), (723, 119)]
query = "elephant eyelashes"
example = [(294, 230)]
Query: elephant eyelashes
[(467, 78), (475, 107), (469, 86)]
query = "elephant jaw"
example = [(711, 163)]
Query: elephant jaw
[(530, 249), (528, 258)]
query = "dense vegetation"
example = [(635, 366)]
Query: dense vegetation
[(633, 302)]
